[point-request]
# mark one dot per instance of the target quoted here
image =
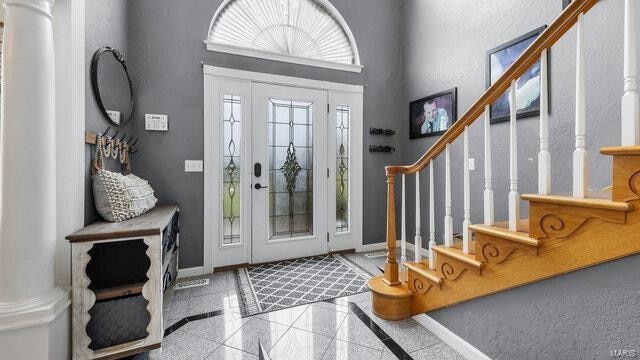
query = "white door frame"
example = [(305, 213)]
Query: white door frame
[(212, 229)]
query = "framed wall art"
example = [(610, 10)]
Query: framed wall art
[(528, 85), (433, 115)]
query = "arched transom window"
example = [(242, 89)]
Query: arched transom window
[(309, 32)]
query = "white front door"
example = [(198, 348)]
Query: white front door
[(289, 172), (308, 154)]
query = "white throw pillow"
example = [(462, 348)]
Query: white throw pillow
[(118, 197)]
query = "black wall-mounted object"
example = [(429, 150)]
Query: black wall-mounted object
[(111, 84), (376, 131), (381, 148)]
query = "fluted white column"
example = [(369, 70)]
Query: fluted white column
[(403, 229), (27, 153), (448, 217), (544, 157), (514, 197), (488, 187), (580, 153), (28, 294), (418, 238), (466, 234), (432, 219), (630, 99)]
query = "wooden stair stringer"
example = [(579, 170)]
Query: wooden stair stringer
[(597, 242)]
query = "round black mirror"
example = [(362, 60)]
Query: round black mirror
[(112, 85)]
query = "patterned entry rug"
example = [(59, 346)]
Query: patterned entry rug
[(289, 283)]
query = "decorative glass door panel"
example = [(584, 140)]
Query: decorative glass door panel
[(231, 189), (289, 147), (290, 169), (343, 118)]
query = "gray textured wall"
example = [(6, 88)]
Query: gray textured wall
[(167, 41), (445, 44), (107, 24)]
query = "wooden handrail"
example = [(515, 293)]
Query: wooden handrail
[(549, 36)]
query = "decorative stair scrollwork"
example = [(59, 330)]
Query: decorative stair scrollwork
[(494, 253), (634, 184), (420, 287), (550, 221), (450, 271), (553, 226)]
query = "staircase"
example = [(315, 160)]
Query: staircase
[(564, 232)]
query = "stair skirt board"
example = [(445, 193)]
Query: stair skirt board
[(448, 337)]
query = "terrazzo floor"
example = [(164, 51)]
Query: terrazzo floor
[(205, 323)]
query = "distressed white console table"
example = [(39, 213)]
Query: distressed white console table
[(140, 240)]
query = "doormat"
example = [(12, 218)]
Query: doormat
[(290, 283)]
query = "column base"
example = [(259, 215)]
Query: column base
[(39, 328)]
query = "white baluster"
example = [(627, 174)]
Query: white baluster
[(448, 218), (417, 241), (432, 219), (580, 153), (488, 188), (544, 157), (514, 197), (630, 99), (466, 234), (403, 231)]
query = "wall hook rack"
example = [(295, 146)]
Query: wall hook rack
[(377, 131), (381, 148)]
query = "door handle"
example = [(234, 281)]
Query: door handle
[(258, 186)]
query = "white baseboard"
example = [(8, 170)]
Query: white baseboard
[(371, 247), (189, 272), (448, 337)]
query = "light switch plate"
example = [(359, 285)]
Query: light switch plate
[(193, 166), (472, 164), (156, 122)]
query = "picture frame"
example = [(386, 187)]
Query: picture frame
[(498, 60), (441, 108)]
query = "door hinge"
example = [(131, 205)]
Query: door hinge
[(327, 237), (328, 108), (327, 172)]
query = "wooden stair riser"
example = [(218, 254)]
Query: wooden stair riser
[(451, 268), (550, 221), (626, 177), (494, 249), (597, 242), (418, 284)]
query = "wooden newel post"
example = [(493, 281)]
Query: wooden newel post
[(391, 266)]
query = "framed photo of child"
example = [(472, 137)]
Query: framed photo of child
[(433, 115)]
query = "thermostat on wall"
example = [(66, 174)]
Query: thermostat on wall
[(156, 122)]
